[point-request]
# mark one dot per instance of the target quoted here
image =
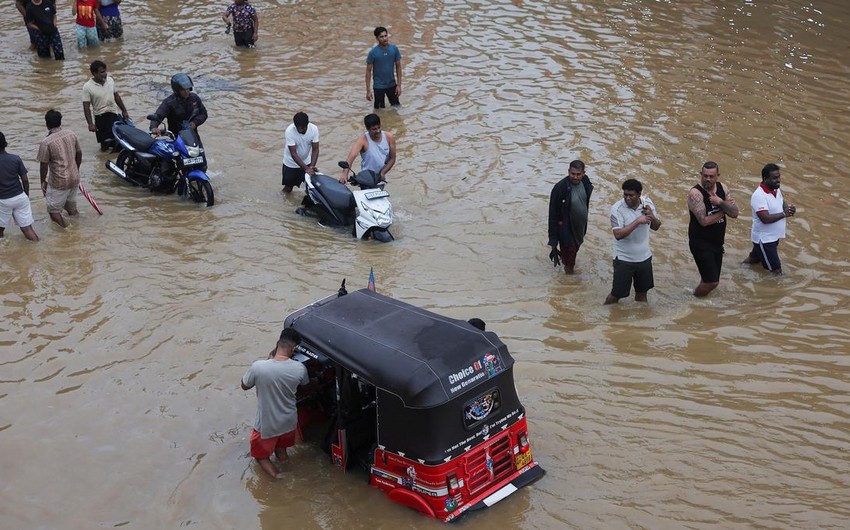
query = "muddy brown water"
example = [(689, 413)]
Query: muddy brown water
[(123, 338)]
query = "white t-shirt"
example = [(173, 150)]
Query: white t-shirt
[(765, 201), (101, 97), (633, 248), (303, 144)]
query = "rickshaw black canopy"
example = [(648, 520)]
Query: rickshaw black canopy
[(424, 358)]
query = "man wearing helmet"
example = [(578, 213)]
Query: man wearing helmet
[(182, 109)]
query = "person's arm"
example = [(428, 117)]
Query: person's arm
[(159, 115), (621, 232), (728, 206), (247, 380), (368, 81), (355, 150), (42, 169), (25, 182), (768, 218), (87, 114), (391, 159), (293, 151), (99, 18), (226, 16), (120, 103), (21, 9), (696, 205), (398, 76), (256, 20), (314, 157), (78, 156), (554, 215), (201, 116), (74, 7)]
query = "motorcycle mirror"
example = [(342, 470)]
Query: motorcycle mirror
[(343, 164), (152, 117)]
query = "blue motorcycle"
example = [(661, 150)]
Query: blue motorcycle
[(165, 164)]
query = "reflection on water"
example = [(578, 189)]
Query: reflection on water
[(124, 336)]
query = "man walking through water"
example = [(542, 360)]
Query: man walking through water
[(709, 204), (631, 219), (383, 70), (277, 379), (375, 147), (769, 213), (568, 207), (59, 156), (14, 193)]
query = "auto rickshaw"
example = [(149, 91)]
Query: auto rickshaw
[(424, 403)]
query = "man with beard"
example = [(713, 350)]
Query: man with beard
[(568, 209), (769, 213), (709, 204)]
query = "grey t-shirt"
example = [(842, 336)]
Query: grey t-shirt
[(578, 212), (276, 383)]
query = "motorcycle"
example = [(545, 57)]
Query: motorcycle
[(165, 164), (368, 209)]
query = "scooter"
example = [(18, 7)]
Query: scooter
[(164, 164), (368, 209)]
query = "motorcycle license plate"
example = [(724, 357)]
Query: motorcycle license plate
[(523, 459), (376, 194), (193, 161)]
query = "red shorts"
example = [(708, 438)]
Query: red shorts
[(262, 448)]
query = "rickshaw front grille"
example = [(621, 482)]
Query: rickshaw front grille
[(477, 473)]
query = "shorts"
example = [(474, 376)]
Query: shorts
[(58, 200), (262, 448), (709, 260), (87, 36), (17, 207), (627, 271), (292, 176), (389, 93), (104, 122), (244, 38), (767, 254)]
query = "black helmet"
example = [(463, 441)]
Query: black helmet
[(181, 81)]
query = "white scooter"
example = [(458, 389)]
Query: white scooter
[(368, 209)]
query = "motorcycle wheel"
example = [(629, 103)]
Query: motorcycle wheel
[(201, 191), (127, 163)]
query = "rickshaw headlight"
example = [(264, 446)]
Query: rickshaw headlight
[(523, 443)]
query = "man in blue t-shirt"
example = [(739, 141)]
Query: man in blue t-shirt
[(383, 70)]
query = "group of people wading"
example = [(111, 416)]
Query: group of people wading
[(710, 203)]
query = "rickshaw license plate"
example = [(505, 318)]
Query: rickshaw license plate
[(523, 459), (193, 161)]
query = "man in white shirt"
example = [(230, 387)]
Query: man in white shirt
[(301, 153), (631, 218), (769, 213), (101, 98)]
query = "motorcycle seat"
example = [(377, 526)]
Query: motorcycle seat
[(138, 138), (338, 195)]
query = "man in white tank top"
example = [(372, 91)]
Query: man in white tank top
[(375, 147)]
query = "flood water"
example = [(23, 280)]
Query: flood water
[(124, 336)]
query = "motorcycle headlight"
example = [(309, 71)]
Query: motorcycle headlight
[(193, 150)]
